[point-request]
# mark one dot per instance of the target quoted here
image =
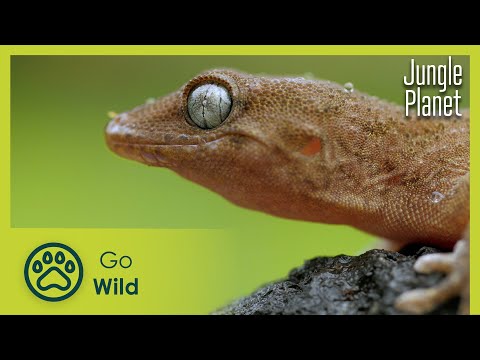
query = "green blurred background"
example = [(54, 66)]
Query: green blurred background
[(63, 175)]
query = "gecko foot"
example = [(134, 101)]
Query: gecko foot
[(456, 283)]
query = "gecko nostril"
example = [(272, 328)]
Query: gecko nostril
[(122, 118)]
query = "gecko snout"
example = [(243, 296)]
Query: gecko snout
[(118, 127)]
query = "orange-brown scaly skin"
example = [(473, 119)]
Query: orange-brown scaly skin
[(374, 169)]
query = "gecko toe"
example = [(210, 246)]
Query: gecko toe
[(456, 283), (429, 263)]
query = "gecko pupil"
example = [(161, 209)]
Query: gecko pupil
[(209, 105)]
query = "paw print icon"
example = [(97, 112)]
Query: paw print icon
[(53, 272)]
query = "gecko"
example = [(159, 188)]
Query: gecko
[(314, 150)]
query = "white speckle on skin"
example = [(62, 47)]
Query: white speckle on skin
[(436, 197), (117, 127), (212, 145), (348, 87)]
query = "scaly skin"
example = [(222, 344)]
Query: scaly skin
[(309, 150)]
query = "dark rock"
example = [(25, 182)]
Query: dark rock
[(365, 284)]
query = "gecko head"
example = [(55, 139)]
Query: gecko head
[(240, 135)]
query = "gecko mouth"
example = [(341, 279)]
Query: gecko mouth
[(162, 155), (162, 151), (150, 154), (118, 132)]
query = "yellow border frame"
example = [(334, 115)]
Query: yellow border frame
[(8, 235)]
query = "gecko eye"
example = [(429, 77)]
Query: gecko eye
[(209, 105)]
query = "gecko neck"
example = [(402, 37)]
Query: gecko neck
[(383, 169)]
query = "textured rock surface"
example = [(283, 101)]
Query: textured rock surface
[(365, 284)]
